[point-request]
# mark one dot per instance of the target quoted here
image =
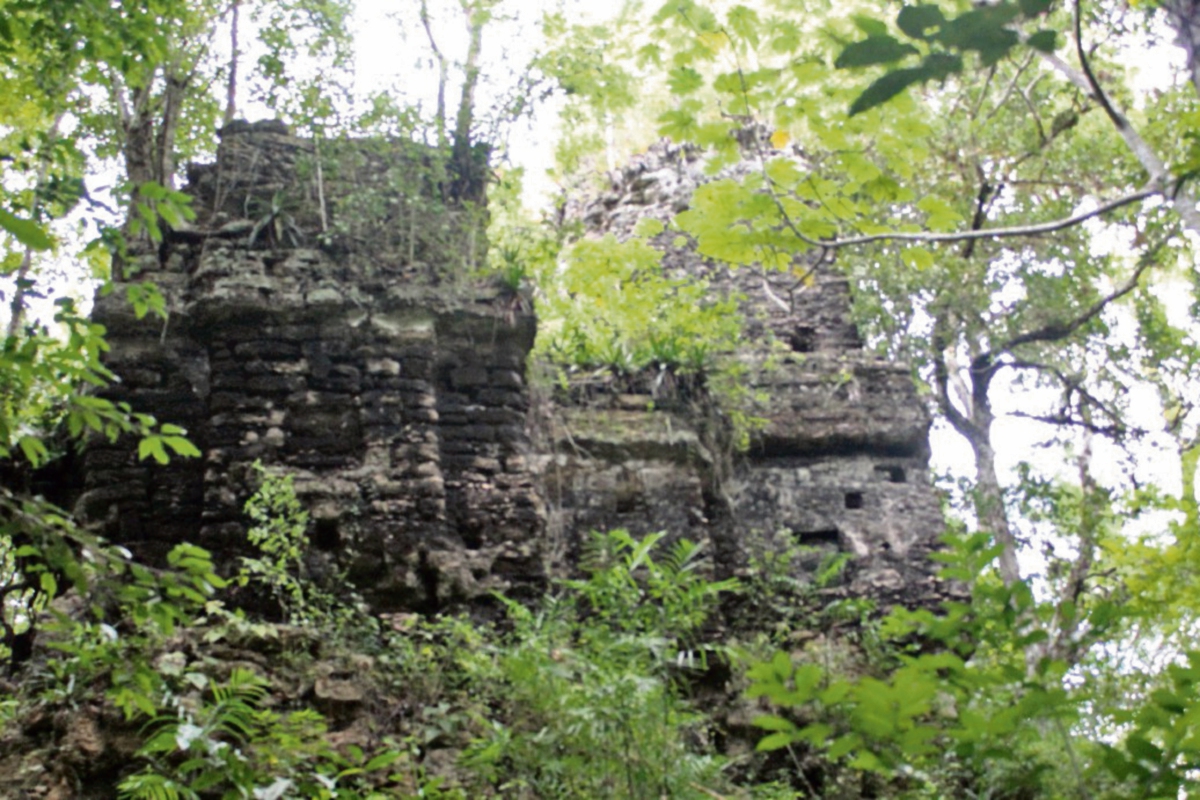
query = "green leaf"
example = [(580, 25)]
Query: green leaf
[(1044, 40), (917, 258), (984, 31), (684, 80), (940, 66), (25, 231), (745, 23), (182, 446), (153, 446), (1031, 8), (869, 25), (873, 50), (843, 745), (775, 741), (1169, 701), (917, 21), (770, 722), (34, 449), (382, 761), (1144, 750), (648, 228), (942, 216), (885, 88)]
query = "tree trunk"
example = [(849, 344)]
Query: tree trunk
[(468, 179), (989, 501), (231, 85), (149, 123), (1184, 18)]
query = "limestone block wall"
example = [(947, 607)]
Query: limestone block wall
[(397, 402), (841, 463), (321, 323)]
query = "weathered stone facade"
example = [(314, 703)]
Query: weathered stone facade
[(841, 464), (307, 334)]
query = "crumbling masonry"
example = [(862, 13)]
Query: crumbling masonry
[(321, 321)]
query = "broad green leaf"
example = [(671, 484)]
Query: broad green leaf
[(886, 87), (774, 741), (770, 722), (942, 217), (25, 231), (152, 446), (1044, 40), (917, 21), (873, 50), (1142, 749), (34, 449), (182, 446), (917, 257), (745, 23), (983, 30), (843, 745), (869, 25), (684, 80), (648, 228), (1169, 701), (1031, 8)]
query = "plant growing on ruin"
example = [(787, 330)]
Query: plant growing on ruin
[(280, 532), (235, 744), (593, 679)]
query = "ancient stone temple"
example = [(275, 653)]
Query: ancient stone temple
[(324, 322)]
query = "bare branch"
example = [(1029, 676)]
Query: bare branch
[(1097, 91), (1063, 420), (1183, 204), (941, 380), (1012, 86), (443, 71), (987, 233), (1056, 331)]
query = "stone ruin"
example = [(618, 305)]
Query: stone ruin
[(322, 321)]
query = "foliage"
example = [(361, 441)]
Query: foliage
[(963, 179), (611, 306), (236, 745), (280, 533), (958, 683), (591, 680)]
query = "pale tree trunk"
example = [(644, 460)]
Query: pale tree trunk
[(467, 183), (231, 85), (1067, 644), (443, 76), (989, 501), (149, 121), (1184, 18), (973, 421)]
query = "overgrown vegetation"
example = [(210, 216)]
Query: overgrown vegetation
[(957, 176)]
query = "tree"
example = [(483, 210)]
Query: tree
[(958, 186)]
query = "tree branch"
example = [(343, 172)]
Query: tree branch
[(1184, 205), (941, 379), (443, 70), (987, 233), (1055, 331)]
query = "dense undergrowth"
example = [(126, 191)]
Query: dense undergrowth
[(642, 678)]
